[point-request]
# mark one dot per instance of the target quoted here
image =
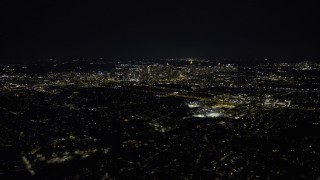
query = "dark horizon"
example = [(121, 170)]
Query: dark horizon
[(127, 30)]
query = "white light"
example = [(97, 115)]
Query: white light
[(213, 115)]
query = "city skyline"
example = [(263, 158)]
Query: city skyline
[(155, 89)]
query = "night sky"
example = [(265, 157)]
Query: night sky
[(153, 29)]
